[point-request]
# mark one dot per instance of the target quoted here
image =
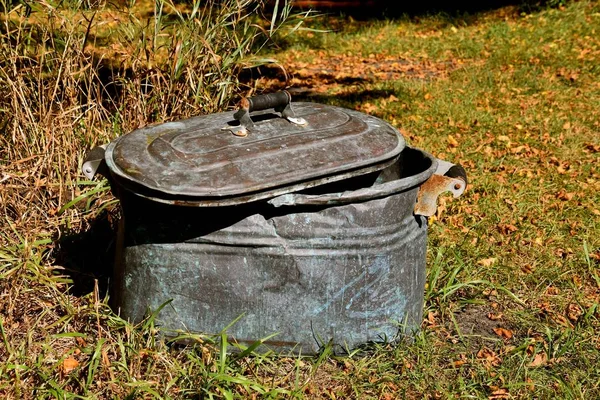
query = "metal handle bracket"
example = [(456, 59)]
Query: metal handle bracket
[(94, 162)]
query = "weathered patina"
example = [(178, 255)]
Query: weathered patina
[(199, 162), (303, 233)]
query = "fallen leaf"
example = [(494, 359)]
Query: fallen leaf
[(530, 349), (503, 333), (527, 269), (539, 360), (431, 319), (485, 353), (564, 196), (499, 394), (506, 229), (69, 364), (559, 319), (369, 108), (495, 317), (552, 290), (574, 312), (452, 142), (490, 358), (583, 53), (487, 262), (530, 384)]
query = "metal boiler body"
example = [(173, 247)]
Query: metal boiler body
[(340, 260)]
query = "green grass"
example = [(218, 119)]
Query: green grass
[(513, 97)]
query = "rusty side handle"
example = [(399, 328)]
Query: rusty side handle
[(447, 178)]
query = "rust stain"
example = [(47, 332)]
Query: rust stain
[(432, 189)]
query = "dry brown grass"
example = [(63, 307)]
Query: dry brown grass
[(72, 75)]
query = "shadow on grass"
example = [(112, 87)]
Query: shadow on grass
[(381, 9), (89, 256), (348, 99), (357, 92)]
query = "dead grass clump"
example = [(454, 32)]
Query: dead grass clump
[(74, 74)]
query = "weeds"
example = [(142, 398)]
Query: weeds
[(71, 79), (75, 74)]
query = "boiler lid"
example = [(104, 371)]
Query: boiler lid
[(206, 161)]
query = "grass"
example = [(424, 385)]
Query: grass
[(513, 266)]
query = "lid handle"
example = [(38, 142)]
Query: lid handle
[(279, 101)]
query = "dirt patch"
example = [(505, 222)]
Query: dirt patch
[(327, 73), (481, 323), (337, 68)]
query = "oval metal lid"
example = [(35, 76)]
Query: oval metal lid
[(196, 158)]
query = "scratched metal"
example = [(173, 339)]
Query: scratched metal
[(350, 269), (197, 162)]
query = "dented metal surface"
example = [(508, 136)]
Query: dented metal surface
[(351, 272), (313, 232)]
